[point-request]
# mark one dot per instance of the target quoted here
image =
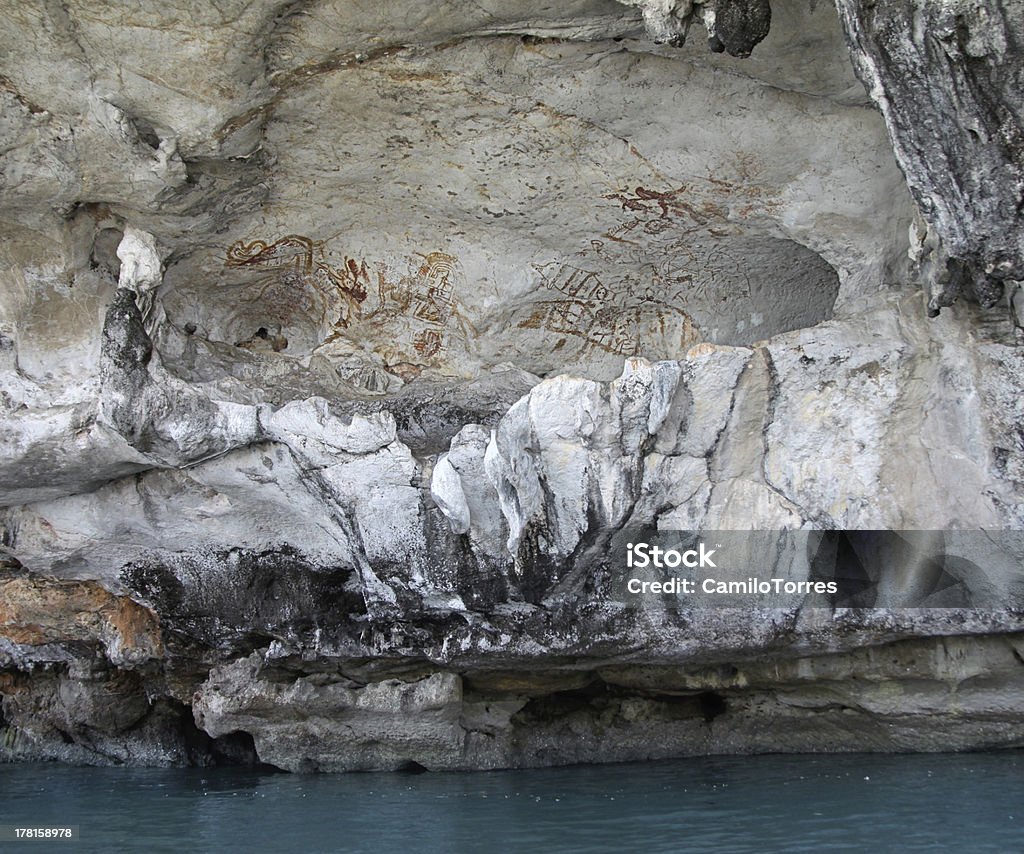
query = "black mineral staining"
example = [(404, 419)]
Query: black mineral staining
[(739, 26)]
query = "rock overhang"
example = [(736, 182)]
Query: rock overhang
[(369, 425)]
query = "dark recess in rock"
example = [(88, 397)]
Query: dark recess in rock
[(411, 767), (234, 749), (540, 573), (598, 699), (429, 414), (251, 599), (739, 26)]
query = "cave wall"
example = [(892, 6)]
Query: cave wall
[(337, 345)]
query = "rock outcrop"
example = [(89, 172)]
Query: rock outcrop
[(342, 351), (948, 79)]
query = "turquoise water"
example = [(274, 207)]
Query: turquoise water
[(971, 803)]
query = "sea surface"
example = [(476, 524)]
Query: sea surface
[(967, 802)]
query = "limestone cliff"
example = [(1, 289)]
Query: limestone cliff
[(342, 346)]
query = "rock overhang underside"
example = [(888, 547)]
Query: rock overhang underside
[(338, 344)]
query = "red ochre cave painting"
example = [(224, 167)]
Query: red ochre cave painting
[(604, 317), (654, 212), (427, 297), (669, 253), (303, 263), (610, 312), (688, 208), (424, 298)]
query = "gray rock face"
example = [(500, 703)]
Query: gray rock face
[(336, 367), (948, 78)]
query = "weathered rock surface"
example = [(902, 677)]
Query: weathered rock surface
[(949, 78), (336, 366)]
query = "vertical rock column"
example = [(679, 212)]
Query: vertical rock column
[(949, 79)]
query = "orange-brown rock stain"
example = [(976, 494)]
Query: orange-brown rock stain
[(36, 611)]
